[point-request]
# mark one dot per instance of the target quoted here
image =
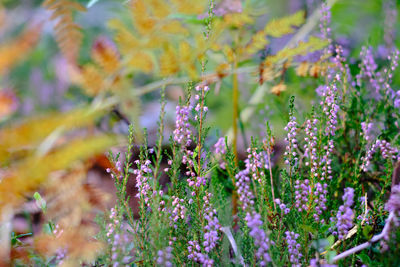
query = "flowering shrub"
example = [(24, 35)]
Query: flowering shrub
[(319, 186)]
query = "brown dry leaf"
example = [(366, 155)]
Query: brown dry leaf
[(8, 103), (105, 55), (278, 89), (302, 69)]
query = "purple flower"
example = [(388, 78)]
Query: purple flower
[(261, 240), (291, 157), (345, 215), (219, 146), (243, 189), (293, 248), (164, 257), (182, 132), (310, 148), (302, 192), (143, 176), (393, 204)]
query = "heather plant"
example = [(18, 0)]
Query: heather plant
[(319, 186)]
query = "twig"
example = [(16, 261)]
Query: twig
[(374, 239)]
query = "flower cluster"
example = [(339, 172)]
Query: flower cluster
[(212, 227), (387, 151), (320, 192), (219, 146), (243, 189), (345, 215), (142, 173), (302, 192), (330, 108), (119, 244), (282, 206), (256, 162), (393, 204), (366, 130), (178, 212), (164, 257), (196, 255), (261, 240), (182, 132), (293, 248), (310, 148), (291, 142)]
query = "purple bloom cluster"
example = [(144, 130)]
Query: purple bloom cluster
[(293, 248), (243, 189), (330, 108), (282, 206), (327, 161), (219, 146), (393, 204), (320, 192), (182, 132), (212, 227), (119, 251), (261, 240), (164, 257), (345, 215), (142, 173), (302, 192), (256, 162), (291, 142), (196, 255), (310, 148), (366, 130), (178, 212), (325, 22), (387, 151)]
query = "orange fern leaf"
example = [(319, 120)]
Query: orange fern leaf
[(68, 34), (105, 55), (15, 50)]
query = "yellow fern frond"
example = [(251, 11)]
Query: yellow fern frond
[(91, 80), (14, 51), (313, 44), (159, 8), (29, 173), (141, 61), (123, 37), (168, 62), (68, 34), (237, 19), (283, 26), (187, 56), (174, 27), (143, 22), (31, 132), (190, 7), (258, 42)]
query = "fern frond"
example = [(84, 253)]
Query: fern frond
[(159, 8), (190, 7), (313, 44), (169, 62), (31, 132), (282, 26), (91, 80), (31, 172), (15, 50), (105, 55), (67, 32)]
